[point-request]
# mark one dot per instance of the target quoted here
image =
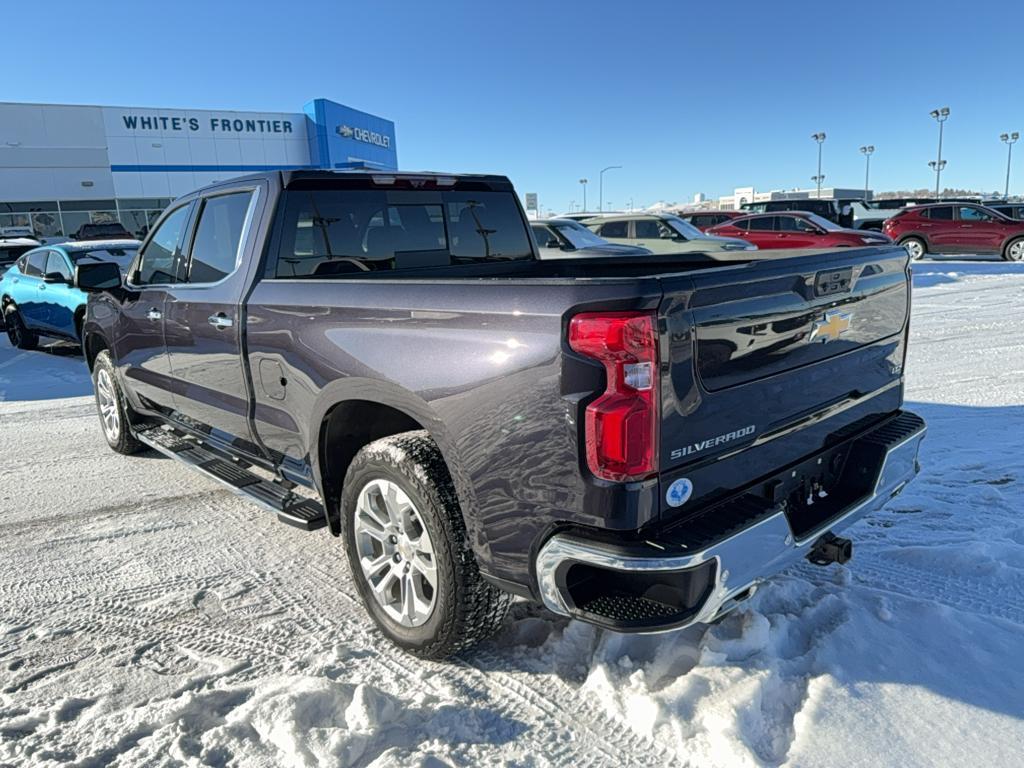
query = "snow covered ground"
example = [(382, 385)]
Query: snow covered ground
[(149, 618)]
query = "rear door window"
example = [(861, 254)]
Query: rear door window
[(218, 236), (615, 229), (943, 213), (762, 224), (35, 263)]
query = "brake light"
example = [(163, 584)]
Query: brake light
[(621, 427)]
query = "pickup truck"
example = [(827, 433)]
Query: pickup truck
[(637, 443)]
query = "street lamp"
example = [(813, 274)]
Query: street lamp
[(820, 138), (600, 186), (583, 182), (1008, 139), (867, 152), (940, 116)]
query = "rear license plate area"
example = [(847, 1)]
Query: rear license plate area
[(817, 491)]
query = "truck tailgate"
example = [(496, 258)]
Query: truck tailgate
[(759, 349)]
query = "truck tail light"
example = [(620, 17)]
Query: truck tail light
[(621, 429)]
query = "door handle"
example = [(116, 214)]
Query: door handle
[(220, 320), (42, 287), (966, 226), (154, 314)]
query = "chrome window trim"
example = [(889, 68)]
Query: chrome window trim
[(254, 192)]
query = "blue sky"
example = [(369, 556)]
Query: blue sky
[(687, 97)]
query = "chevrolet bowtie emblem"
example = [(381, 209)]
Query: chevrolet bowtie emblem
[(345, 131), (832, 326)]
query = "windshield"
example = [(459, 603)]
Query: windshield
[(120, 256), (684, 228), (822, 222), (578, 235)]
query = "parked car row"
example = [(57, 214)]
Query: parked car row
[(957, 228), (37, 293)]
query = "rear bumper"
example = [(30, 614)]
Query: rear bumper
[(666, 581)]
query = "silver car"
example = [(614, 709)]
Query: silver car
[(567, 239), (666, 233)]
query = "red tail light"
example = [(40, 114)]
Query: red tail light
[(622, 424)]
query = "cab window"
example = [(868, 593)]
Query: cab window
[(56, 263), (968, 213), (647, 229), (159, 261), (35, 263), (762, 224)]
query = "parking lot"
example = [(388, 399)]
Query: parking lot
[(148, 617)]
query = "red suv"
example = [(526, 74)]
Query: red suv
[(956, 228), (796, 229)]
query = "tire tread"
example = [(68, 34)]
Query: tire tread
[(480, 607)]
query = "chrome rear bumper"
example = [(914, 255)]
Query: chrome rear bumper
[(730, 569)]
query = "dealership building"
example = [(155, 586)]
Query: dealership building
[(62, 166)]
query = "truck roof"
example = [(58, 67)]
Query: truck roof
[(378, 178)]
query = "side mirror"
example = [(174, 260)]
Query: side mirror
[(97, 276), (55, 277)]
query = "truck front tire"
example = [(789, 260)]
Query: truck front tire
[(115, 413), (406, 544)]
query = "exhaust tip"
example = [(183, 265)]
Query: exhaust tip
[(831, 549)]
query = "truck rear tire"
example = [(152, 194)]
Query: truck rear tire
[(405, 539), (115, 414)]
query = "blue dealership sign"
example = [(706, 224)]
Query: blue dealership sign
[(342, 137)]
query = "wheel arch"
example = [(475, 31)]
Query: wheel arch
[(93, 342), (344, 424)]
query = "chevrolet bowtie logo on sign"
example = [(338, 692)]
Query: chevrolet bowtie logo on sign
[(345, 131), (832, 326)]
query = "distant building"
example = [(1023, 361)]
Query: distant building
[(62, 166), (743, 195)]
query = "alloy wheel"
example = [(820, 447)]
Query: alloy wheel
[(107, 400), (13, 331), (1016, 251), (914, 248), (396, 555)]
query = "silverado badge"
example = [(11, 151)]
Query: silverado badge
[(833, 325)]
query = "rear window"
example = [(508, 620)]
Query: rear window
[(346, 232)]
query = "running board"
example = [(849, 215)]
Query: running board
[(290, 508)]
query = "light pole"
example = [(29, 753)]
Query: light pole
[(583, 183), (940, 115), (867, 152), (820, 138), (1009, 139), (600, 186)]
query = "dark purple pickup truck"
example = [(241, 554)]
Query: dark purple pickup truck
[(636, 442)]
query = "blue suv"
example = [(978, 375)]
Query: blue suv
[(37, 294)]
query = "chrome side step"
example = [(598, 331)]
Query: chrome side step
[(291, 508)]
